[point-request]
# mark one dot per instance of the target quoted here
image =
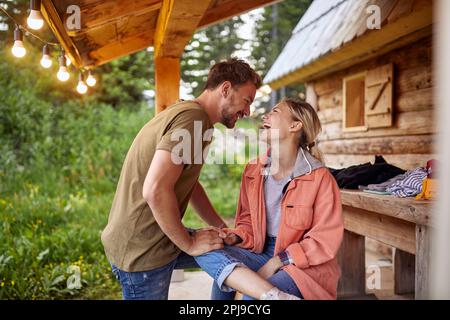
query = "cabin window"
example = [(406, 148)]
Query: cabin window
[(354, 102), (368, 99)]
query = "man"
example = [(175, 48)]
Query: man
[(145, 239)]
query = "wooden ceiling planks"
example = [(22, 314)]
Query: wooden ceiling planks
[(112, 28)]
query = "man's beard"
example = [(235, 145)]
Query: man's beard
[(228, 120)]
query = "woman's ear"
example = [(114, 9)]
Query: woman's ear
[(295, 126)]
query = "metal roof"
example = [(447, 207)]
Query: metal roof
[(327, 26)]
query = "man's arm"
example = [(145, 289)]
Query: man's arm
[(159, 192), (200, 202)]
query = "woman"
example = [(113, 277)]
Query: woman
[(289, 223)]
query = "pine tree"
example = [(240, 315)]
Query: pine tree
[(208, 46), (273, 29)]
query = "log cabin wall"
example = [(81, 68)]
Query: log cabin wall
[(408, 143)]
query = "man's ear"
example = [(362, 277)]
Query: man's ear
[(295, 126), (225, 88)]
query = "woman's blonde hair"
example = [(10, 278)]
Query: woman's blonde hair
[(305, 113)]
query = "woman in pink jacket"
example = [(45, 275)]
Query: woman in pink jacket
[(289, 224)]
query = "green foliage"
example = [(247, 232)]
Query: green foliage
[(208, 46), (273, 30)]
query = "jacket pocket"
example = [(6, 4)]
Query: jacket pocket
[(299, 217)]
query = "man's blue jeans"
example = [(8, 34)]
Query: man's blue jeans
[(153, 284), (220, 263)]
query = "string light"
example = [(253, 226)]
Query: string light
[(81, 87), (18, 49), (35, 20), (68, 61), (62, 75), (91, 81), (46, 62)]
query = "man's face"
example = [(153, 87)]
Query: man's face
[(236, 102)]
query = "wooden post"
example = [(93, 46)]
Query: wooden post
[(423, 248), (167, 82), (311, 96), (404, 272), (351, 258)]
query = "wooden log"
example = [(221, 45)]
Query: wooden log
[(415, 144), (174, 29), (331, 100), (404, 161), (404, 272), (328, 85), (423, 248), (391, 231), (407, 209), (405, 123), (351, 258), (416, 100), (330, 115), (417, 78), (167, 82)]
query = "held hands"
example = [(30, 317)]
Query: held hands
[(271, 266), (206, 239)]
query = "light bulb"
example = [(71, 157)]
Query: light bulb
[(68, 61), (82, 87), (35, 20), (46, 61), (63, 74), (91, 81), (18, 50)]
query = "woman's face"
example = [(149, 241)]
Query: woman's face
[(279, 124)]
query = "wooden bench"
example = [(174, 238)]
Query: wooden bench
[(403, 223)]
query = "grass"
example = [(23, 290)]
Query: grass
[(51, 215)]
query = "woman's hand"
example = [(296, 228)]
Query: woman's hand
[(232, 239), (271, 266)]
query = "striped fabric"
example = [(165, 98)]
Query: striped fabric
[(411, 185)]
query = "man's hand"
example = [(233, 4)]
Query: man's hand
[(271, 266), (205, 240)]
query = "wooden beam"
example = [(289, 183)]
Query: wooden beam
[(391, 231), (177, 22), (404, 272), (423, 249), (419, 144), (55, 23), (121, 48), (229, 9), (167, 80), (351, 259)]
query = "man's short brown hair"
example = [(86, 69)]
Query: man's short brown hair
[(237, 71)]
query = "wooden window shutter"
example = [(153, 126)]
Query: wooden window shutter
[(378, 96)]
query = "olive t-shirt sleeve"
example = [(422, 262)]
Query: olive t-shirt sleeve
[(185, 137)]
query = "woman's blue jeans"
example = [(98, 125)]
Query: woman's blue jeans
[(220, 263)]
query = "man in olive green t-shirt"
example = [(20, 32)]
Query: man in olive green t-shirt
[(145, 239)]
